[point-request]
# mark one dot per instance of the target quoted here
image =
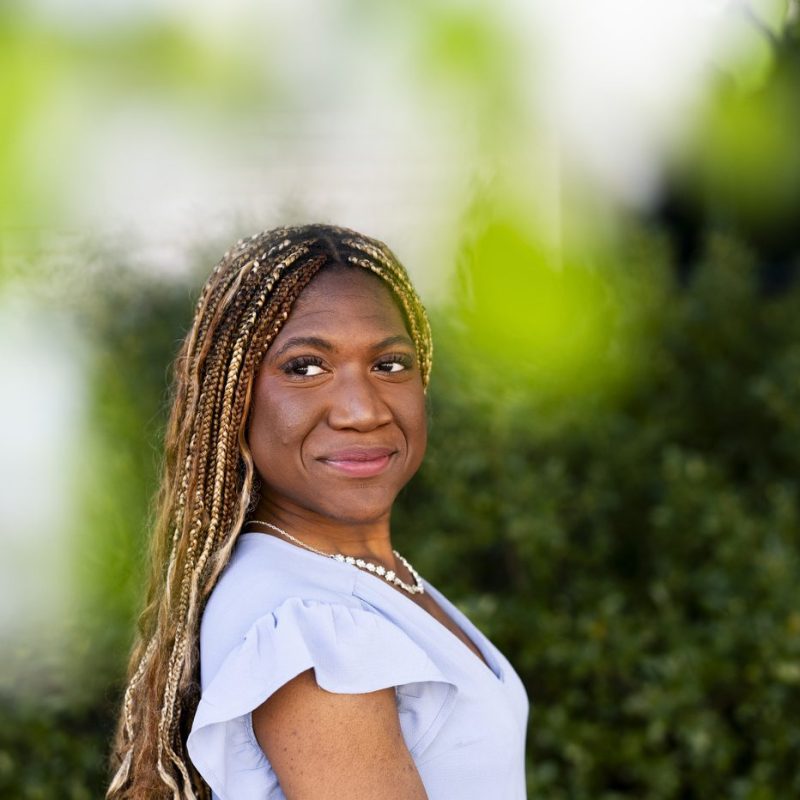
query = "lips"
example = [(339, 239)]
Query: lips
[(359, 462)]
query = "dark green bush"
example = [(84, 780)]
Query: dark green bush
[(636, 555)]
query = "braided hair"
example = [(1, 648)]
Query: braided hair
[(208, 481)]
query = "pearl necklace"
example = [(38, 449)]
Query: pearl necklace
[(376, 569)]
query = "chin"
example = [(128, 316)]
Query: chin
[(363, 515), (358, 511)]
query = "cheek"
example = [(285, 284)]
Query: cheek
[(290, 421), (264, 430), (416, 423), (278, 421)]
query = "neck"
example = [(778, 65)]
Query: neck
[(368, 540)]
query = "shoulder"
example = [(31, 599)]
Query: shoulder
[(266, 570), (278, 610), (262, 575), (277, 614)]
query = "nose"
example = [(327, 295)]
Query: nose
[(356, 403)]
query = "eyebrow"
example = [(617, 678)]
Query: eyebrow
[(324, 344)]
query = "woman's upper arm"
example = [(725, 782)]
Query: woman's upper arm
[(329, 746)]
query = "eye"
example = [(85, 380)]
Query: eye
[(397, 362), (303, 367)]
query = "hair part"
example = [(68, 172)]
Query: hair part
[(208, 481)]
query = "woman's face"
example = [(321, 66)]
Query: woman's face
[(337, 424)]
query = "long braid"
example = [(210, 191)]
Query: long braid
[(187, 610), (168, 721), (185, 397), (208, 478)]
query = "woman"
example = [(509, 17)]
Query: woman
[(328, 668)]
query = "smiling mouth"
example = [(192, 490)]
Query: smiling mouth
[(359, 463)]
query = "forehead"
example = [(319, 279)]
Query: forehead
[(340, 299)]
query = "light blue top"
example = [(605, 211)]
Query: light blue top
[(278, 610)]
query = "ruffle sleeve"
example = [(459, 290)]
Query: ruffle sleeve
[(351, 649)]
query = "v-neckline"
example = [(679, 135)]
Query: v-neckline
[(488, 663), (468, 628)]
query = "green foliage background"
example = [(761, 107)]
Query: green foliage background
[(611, 488), (634, 551), (638, 556)]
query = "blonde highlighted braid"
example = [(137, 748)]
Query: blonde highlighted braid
[(208, 481)]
